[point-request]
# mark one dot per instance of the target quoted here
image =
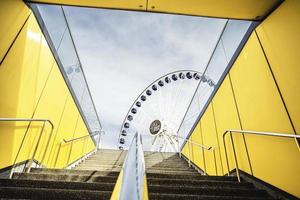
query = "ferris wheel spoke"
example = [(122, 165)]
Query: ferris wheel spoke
[(160, 109)]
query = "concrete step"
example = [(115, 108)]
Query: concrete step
[(66, 177), (168, 177), (164, 160), (172, 172), (99, 169), (58, 194), (113, 162), (197, 182), (210, 191), (99, 164), (180, 169), (159, 196), (105, 185), (71, 171), (190, 176)]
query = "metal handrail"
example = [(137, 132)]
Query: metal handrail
[(285, 135), (38, 142), (64, 141), (134, 171), (79, 138), (199, 145)]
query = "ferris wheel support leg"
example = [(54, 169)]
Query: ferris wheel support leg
[(167, 141), (173, 143), (178, 145), (154, 143)]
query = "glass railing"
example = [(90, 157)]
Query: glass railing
[(230, 43), (55, 27)]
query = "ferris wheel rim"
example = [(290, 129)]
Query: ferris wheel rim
[(149, 87)]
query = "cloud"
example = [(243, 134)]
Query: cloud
[(122, 52)]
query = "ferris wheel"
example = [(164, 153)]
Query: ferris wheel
[(158, 110)]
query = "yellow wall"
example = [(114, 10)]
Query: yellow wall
[(241, 9), (279, 35), (14, 20), (249, 99), (32, 86)]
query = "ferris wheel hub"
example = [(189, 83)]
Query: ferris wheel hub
[(155, 127)]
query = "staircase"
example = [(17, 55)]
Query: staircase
[(93, 179), (168, 178)]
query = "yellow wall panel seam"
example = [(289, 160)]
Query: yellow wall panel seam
[(279, 36), (216, 132), (73, 136), (240, 123), (277, 86), (14, 40), (202, 143), (57, 129), (261, 109)]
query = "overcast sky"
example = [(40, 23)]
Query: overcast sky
[(123, 51)]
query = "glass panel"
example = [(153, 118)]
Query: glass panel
[(56, 26), (50, 15), (231, 38), (233, 35)]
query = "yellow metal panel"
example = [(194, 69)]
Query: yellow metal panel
[(79, 146), (118, 4), (65, 130), (185, 150), (23, 74), (45, 64), (210, 140), (13, 14), (241, 9), (145, 191), (261, 109), (279, 35), (227, 118), (197, 151), (30, 84), (117, 189), (50, 106)]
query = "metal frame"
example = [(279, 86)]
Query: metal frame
[(80, 65), (64, 142), (202, 147), (38, 142), (284, 135), (132, 186), (146, 10)]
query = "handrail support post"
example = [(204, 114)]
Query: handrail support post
[(235, 158)]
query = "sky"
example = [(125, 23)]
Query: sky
[(122, 52)]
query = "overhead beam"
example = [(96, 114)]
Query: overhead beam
[(233, 9)]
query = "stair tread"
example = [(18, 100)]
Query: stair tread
[(216, 191), (177, 181), (159, 196), (168, 177), (48, 193), (103, 186), (65, 177)]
